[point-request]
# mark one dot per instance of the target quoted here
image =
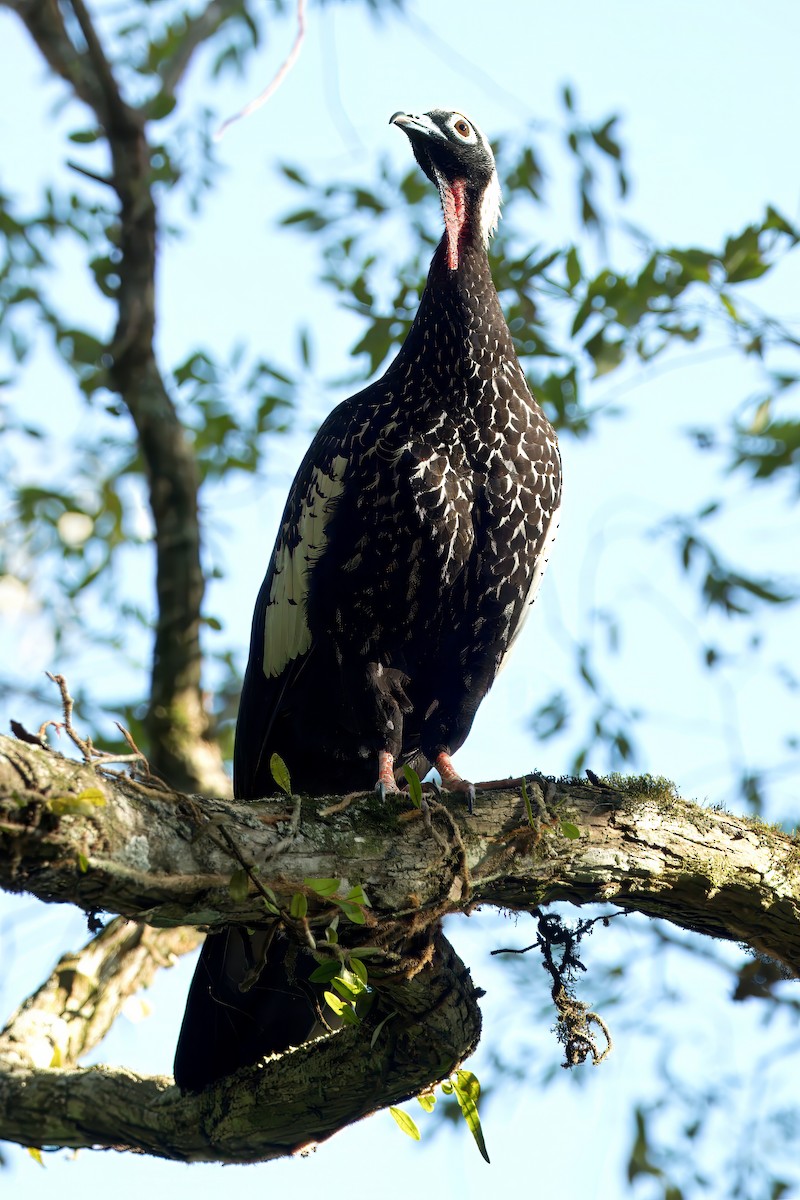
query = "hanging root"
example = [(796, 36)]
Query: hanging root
[(558, 944)]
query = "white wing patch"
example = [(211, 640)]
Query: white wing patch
[(286, 631)]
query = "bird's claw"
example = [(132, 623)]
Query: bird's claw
[(383, 790)]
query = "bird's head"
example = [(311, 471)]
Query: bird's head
[(456, 156)]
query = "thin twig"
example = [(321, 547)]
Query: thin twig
[(91, 755), (136, 751), (106, 182), (277, 79), (67, 704)]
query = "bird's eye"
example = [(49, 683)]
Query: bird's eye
[(462, 127)]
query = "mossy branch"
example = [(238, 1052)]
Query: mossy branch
[(72, 834)]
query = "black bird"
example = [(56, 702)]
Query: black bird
[(411, 548)]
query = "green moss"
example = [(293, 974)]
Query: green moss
[(644, 787)]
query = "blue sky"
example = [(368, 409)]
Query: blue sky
[(708, 96)]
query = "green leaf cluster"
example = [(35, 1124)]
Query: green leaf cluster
[(464, 1085)]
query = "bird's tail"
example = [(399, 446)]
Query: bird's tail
[(250, 997)]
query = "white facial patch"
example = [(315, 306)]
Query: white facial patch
[(286, 631), (490, 207), (454, 124), (489, 213)]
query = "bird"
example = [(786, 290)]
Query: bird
[(411, 548)]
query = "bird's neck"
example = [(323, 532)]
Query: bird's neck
[(458, 313)]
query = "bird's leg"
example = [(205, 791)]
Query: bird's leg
[(386, 780), (451, 780)]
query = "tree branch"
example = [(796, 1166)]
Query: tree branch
[(70, 833), (155, 856), (258, 1114), (74, 1009)]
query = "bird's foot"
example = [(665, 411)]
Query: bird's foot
[(386, 780), (452, 781)]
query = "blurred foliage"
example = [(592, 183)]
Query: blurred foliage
[(606, 303)]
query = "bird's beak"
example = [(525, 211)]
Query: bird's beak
[(411, 124)]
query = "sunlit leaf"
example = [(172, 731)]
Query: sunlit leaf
[(280, 773), (406, 1123), (467, 1090), (414, 785)]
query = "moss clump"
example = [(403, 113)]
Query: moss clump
[(644, 787)]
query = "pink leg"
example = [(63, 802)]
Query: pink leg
[(386, 781), (452, 781)]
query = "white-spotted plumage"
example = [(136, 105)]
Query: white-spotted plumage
[(412, 544), (417, 529)]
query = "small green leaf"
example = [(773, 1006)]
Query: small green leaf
[(84, 137), (80, 805), (527, 800), (427, 1100), (280, 773), (57, 1059), (354, 981), (352, 912), (36, 1155), (357, 895), (336, 1003), (83, 864), (414, 786), (325, 972), (342, 987), (239, 885), (323, 887), (406, 1123), (161, 106), (298, 906), (92, 796), (332, 932), (359, 970), (573, 268), (448, 1088), (569, 830), (468, 1089), (293, 174)]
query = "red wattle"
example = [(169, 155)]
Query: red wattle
[(454, 206)]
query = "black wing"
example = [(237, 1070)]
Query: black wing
[(281, 641)]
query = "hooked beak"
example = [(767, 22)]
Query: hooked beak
[(411, 124)]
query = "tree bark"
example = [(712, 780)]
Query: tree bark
[(69, 833)]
